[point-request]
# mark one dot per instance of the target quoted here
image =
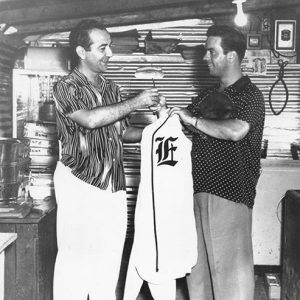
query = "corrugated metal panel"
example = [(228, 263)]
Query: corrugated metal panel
[(6, 64), (181, 81)]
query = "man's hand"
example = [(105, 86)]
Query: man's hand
[(185, 115), (229, 129), (148, 97), (161, 106)]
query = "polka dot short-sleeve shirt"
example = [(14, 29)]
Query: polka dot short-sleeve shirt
[(224, 168)]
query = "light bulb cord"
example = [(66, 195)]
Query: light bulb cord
[(240, 9)]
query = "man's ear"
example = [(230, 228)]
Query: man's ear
[(232, 56), (80, 52)]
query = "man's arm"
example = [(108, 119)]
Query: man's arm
[(105, 115), (230, 129)]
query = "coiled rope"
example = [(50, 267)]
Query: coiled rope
[(282, 64)]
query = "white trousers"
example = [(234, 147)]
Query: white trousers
[(91, 229)]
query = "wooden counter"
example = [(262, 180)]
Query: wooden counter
[(29, 262)]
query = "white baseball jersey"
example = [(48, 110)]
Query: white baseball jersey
[(165, 241)]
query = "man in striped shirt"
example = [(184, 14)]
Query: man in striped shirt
[(89, 178)]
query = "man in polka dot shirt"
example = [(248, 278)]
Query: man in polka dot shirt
[(226, 167)]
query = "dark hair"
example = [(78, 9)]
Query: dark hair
[(80, 36), (232, 39)]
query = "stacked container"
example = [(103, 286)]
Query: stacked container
[(34, 119), (14, 170), (44, 151)]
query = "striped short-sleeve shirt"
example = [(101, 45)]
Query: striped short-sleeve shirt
[(94, 155)]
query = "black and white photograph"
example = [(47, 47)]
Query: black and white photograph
[(149, 150)]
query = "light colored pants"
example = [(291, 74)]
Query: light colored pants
[(224, 269), (162, 291), (91, 229)]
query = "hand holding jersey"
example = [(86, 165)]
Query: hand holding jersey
[(215, 106), (161, 107), (214, 119), (149, 97)]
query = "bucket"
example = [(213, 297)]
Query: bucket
[(47, 111)]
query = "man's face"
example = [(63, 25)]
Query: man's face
[(214, 57), (98, 55)]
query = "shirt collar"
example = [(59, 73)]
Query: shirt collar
[(239, 85), (82, 79)]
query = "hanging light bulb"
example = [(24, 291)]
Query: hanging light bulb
[(240, 18)]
